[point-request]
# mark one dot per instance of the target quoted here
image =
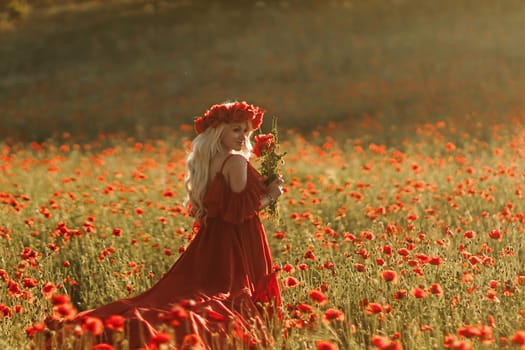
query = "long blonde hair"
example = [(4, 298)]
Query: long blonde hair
[(204, 147)]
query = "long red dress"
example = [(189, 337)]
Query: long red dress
[(217, 286)]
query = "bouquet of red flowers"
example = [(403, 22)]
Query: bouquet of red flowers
[(266, 148)]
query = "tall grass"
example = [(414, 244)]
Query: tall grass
[(134, 66), (442, 215)]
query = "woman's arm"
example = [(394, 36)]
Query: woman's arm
[(273, 192), (236, 173)]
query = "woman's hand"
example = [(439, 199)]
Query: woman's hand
[(274, 189)]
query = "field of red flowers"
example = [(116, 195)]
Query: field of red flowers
[(416, 246)]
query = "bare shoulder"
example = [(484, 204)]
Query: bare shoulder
[(235, 169), (235, 163)]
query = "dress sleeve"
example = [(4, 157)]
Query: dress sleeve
[(238, 207)]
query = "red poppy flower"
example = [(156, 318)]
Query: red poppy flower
[(518, 337), (469, 235), (400, 294), (288, 268), (309, 255), (474, 260), (482, 332), (4, 276), (93, 325), (117, 232), (318, 296), (48, 289), (60, 299), (115, 323), (403, 251), (436, 289), (263, 144), (37, 327), (495, 234), (412, 217), (450, 146), (5, 311), (305, 307), (435, 260), (452, 342), (326, 345), (385, 343), (389, 276), (45, 212), (29, 255), (14, 288), (102, 346), (302, 267), (329, 265), (280, 235), (491, 320), (387, 250), (29, 282), (359, 267), (373, 308), (159, 339), (168, 193), (66, 311), (334, 314), (291, 282), (419, 293)]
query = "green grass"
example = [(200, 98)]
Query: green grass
[(133, 67), (422, 197)]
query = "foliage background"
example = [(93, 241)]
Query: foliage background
[(138, 67)]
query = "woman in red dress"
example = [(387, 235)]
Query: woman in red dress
[(222, 289)]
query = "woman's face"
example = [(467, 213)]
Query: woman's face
[(235, 136)]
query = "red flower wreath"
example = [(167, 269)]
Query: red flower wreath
[(229, 113)]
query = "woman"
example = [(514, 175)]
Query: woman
[(223, 283)]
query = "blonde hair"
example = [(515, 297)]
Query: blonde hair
[(204, 147)]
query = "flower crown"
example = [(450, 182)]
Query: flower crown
[(229, 113)]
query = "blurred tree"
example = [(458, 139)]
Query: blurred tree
[(14, 9)]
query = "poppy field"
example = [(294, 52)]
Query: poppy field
[(414, 246)]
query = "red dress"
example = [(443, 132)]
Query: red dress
[(218, 284)]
